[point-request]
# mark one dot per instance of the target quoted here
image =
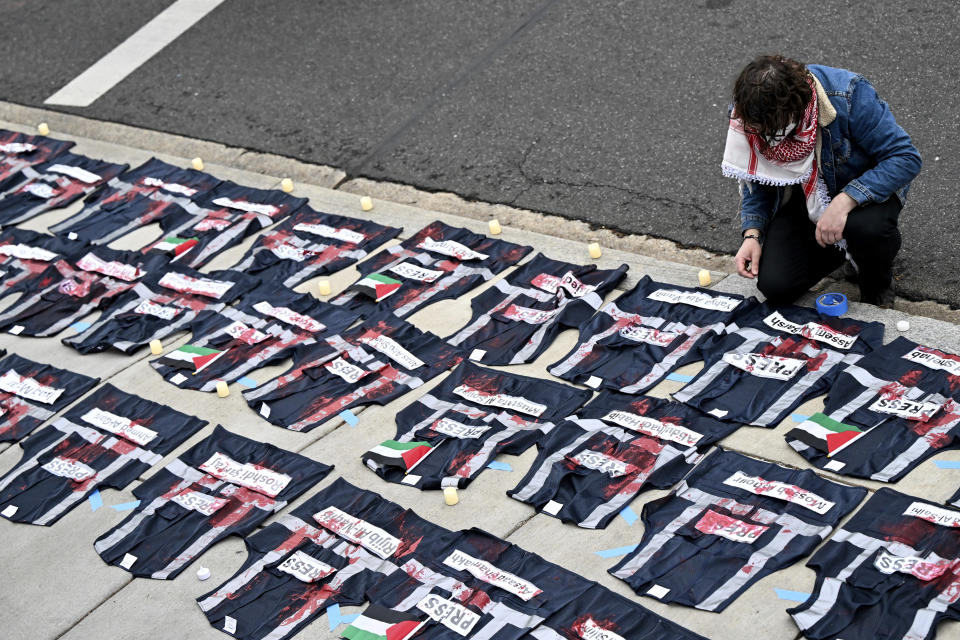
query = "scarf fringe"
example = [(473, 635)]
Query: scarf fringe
[(730, 171)]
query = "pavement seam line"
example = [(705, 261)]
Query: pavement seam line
[(95, 607)]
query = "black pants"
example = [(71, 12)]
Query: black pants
[(792, 261)]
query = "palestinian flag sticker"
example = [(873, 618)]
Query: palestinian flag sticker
[(380, 623), (825, 433), (377, 286), (178, 246), (391, 453), (191, 358)]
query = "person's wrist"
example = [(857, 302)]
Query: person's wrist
[(751, 234)]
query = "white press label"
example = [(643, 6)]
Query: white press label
[(201, 502), (392, 349), (198, 286), (655, 428), (934, 514), (568, 283), (483, 570), (934, 359), (601, 462), (28, 388), (648, 335), (452, 615), (780, 491), (512, 403), (251, 476), (76, 471), (451, 248), (718, 524), (289, 316), (286, 251), (243, 205), (305, 568), (148, 308), (118, 425), (413, 272), (528, 315), (26, 252), (349, 372), (764, 366), (695, 299), (357, 531), (918, 567), (454, 429), (40, 190), (905, 408), (245, 334), (344, 235), (811, 331)]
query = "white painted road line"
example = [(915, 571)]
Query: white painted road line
[(132, 52)]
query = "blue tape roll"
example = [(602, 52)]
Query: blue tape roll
[(832, 304)]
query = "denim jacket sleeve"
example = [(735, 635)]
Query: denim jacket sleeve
[(757, 202), (874, 129)]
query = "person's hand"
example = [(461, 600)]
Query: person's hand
[(748, 258), (834, 219)]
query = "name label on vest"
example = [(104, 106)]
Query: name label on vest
[(503, 401), (934, 359), (373, 539), (125, 272), (451, 248), (936, 515), (74, 172), (251, 476), (483, 570), (26, 252), (344, 235), (392, 349), (568, 283), (289, 316), (242, 205), (811, 331), (118, 425), (199, 286), (655, 428), (28, 388), (590, 630), (695, 299), (780, 491)]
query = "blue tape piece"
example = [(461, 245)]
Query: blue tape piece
[(349, 417), (832, 304), (80, 327), (125, 506), (799, 417), (629, 515), (795, 596), (613, 553), (500, 466), (335, 618), (679, 377), (95, 500), (247, 382), (948, 464)]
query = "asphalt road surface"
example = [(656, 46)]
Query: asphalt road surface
[(610, 112)]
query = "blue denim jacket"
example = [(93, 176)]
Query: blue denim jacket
[(864, 152)]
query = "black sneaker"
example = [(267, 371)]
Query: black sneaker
[(885, 298)]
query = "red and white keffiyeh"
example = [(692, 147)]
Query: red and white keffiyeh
[(793, 160)]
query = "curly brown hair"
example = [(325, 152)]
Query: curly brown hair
[(770, 93)]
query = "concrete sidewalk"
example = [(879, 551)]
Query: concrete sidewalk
[(55, 586)]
